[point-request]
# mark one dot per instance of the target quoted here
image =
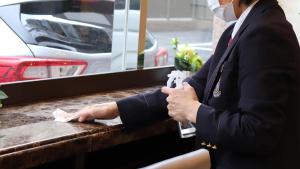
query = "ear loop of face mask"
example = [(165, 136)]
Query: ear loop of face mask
[(224, 12), (213, 4)]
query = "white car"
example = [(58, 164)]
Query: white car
[(49, 39)]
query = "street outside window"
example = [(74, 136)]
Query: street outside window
[(189, 21)]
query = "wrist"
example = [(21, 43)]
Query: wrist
[(104, 110), (192, 116), (112, 108), (93, 112)]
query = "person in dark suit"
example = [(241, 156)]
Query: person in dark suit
[(245, 100)]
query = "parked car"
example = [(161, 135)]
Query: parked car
[(49, 39)]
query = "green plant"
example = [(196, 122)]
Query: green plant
[(2, 97), (186, 58)]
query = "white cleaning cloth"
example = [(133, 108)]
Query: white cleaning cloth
[(63, 116)]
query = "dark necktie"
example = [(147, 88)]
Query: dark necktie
[(230, 41)]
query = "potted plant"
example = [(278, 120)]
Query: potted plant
[(2, 97), (187, 59)]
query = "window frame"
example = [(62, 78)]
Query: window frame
[(26, 92)]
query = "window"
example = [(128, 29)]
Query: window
[(190, 21), (69, 38)]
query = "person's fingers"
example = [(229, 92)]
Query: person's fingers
[(180, 87), (169, 99), (83, 117), (186, 85), (169, 107), (84, 114), (171, 114), (167, 90)]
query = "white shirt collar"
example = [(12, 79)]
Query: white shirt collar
[(241, 19)]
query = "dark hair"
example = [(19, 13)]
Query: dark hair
[(246, 2)]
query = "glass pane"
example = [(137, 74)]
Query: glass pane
[(133, 27), (119, 36), (190, 21), (126, 35)]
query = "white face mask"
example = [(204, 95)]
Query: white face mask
[(225, 12)]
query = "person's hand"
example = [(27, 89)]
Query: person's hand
[(183, 103), (98, 111)]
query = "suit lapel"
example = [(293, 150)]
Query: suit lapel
[(257, 9), (213, 78)]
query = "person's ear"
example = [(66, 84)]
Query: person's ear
[(223, 2)]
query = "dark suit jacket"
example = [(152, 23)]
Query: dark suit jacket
[(253, 118)]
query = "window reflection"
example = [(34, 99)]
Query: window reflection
[(51, 39), (68, 25)]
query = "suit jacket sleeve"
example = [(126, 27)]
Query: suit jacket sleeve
[(144, 109), (267, 68)]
